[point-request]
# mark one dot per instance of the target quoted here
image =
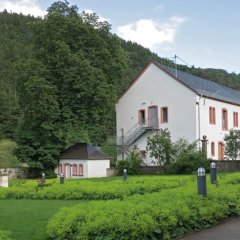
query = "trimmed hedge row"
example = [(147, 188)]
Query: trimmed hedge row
[(5, 235), (162, 215), (100, 189)]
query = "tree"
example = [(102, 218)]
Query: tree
[(38, 138), (132, 163), (232, 147), (160, 146), (7, 154), (63, 7), (182, 147)]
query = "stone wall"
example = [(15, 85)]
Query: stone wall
[(111, 172), (14, 173)]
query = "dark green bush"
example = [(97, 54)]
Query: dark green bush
[(132, 164), (189, 163)]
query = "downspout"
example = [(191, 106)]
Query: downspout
[(199, 123)]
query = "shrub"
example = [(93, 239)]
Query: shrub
[(232, 148), (5, 235), (189, 163), (164, 215), (132, 164)]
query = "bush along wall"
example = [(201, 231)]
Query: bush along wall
[(163, 215)]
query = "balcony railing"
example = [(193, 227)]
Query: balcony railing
[(136, 131)]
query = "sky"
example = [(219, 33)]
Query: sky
[(204, 33)]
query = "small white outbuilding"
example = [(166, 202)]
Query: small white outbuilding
[(83, 160)]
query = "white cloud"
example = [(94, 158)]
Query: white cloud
[(151, 33), (22, 6)]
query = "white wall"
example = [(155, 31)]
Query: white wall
[(91, 168), (155, 87), (213, 132), (98, 168), (72, 162)]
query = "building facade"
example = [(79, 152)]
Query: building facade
[(82, 160), (188, 106)]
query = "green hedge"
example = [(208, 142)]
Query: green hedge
[(96, 189), (162, 215), (5, 235)]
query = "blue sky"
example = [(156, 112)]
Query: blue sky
[(203, 33)]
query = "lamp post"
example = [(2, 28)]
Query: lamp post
[(213, 172), (61, 178), (125, 175), (202, 187)]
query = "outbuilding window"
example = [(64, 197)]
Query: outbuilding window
[(74, 170), (80, 170)]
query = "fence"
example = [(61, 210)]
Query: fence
[(228, 165), (151, 170)]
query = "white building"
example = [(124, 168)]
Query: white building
[(187, 105), (83, 160)]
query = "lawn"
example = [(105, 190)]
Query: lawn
[(156, 207), (27, 219)]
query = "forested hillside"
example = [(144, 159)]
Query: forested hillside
[(60, 78)]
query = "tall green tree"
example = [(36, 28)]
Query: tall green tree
[(38, 133), (159, 146), (232, 146)]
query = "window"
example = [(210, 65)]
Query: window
[(212, 115), (213, 149), (141, 116), (74, 170), (235, 119), (164, 115), (224, 119), (59, 168), (143, 154), (80, 170), (220, 151)]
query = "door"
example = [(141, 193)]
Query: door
[(220, 151), (153, 116), (68, 171)]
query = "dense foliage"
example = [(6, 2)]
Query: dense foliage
[(165, 215), (5, 235), (232, 146), (60, 77), (7, 156), (160, 146), (189, 163), (131, 164)]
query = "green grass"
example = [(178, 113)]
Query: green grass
[(27, 219)]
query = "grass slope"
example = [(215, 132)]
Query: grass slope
[(27, 219)]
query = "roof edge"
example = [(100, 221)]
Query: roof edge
[(171, 75)]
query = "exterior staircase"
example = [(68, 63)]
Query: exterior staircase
[(134, 135)]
